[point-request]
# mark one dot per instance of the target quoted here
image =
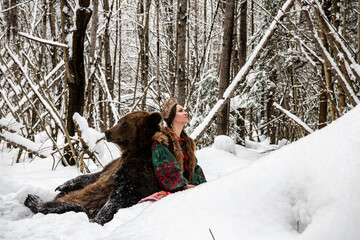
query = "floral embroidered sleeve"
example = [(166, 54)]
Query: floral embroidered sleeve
[(199, 176), (167, 169)]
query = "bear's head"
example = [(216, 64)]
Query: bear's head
[(134, 131)]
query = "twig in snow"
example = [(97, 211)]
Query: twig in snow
[(212, 235)]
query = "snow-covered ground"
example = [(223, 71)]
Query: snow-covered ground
[(309, 189)]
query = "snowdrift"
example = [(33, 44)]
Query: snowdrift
[(309, 189)]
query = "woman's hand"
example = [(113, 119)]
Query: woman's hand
[(189, 186)]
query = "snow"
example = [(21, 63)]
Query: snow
[(225, 143), (308, 190), (89, 135)]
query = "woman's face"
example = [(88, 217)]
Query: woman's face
[(181, 117)]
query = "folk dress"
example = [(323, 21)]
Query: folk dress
[(174, 161)]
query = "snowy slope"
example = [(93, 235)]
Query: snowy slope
[(309, 189), (311, 186)]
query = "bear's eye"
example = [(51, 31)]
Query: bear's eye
[(124, 125)]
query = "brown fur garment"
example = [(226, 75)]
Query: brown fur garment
[(168, 139)]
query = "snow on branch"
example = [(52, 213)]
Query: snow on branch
[(338, 41), (89, 138), (45, 102), (9, 124), (240, 77), (41, 40), (16, 140), (294, 118), (342, 79)]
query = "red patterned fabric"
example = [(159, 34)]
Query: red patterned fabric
[(169, 175)]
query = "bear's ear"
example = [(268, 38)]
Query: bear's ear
[(153, 119)]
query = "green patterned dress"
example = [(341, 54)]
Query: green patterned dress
[(168, 171)]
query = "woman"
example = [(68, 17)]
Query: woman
[(173, 151)]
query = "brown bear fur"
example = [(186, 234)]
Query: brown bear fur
[(122, 183)]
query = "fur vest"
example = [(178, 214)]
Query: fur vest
[(169, 140)]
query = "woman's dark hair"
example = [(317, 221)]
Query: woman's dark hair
[(171, 117)]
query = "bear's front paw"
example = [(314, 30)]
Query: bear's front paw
[(65, 187), (60, 188), (32, 202)]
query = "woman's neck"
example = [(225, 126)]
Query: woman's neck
[(177, 129)]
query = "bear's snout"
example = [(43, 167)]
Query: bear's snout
[(108, 135)]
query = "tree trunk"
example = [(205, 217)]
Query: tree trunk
[(94, 27), (120, 54), (235, 63), (341, 92), (243, 48), (205, 22), (358, 25), (92, 60), (54, 51), (158, 52), (269, 114), (323, 97), (171, 44), (42, 58), (108, 65), (144, 45), (322, 110), (243, 33), (11, 18), (225, 63), (75, 62), (181, 50)]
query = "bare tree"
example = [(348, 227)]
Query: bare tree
[(75, 61), (181, 50), (225, 63), (143, 31)]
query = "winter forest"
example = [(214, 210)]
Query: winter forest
[(246, 69), (254, 76)]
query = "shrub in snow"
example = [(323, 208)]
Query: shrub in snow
[(225, 143)]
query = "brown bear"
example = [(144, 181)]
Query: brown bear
[(122, 183)]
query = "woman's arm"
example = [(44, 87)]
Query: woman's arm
[(167, 170), (199, 176)]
